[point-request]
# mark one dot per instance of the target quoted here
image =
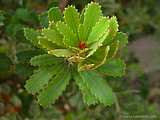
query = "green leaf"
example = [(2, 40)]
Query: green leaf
[(55, 87), (113, 67), (45, 44), (93, 47), (31, 35), (122, 38), (61, 52), (101, 28), (70, 39), (5, 63), (96, 60), (14, 31), (26, 55), (72, 20), (88, 97), (82, 16), (44, 60), (23, 70), (40, 78), (98, 87), (99, 57), (113, 28), (43, 19), (53, 36), (54, 14), (81, 34), (25, 15), (86, 41), (91, 15), (113, 49), (2, 18)]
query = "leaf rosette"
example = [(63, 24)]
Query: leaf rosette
[(79, 46)]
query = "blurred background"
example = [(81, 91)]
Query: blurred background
[(138, 91)]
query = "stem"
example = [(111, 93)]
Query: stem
[(63, 4), (118, 109), (129, 91)]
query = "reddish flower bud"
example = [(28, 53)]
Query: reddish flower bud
[(82, 45)]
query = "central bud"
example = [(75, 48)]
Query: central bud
[(82, 45)]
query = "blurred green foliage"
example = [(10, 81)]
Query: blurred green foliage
[(137, 92)]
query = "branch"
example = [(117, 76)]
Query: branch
[(63, 4)]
